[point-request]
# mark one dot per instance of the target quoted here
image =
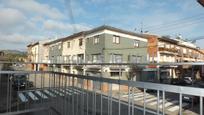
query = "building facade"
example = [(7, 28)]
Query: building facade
[(170, 50), (38, 53)]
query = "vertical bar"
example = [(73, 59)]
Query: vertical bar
[(128, 100), (158, 97), (111, 99), (133, 103), (163, 102), (93, 99), (73, 113), (41, 86), (144, 111), (120, 73), (82, 97), (108, 99), (180, 104), (101, 85), (65, 95), (7, 97), (10, 94), (101, 88), (201, 105), (87, 99), (77, 95)]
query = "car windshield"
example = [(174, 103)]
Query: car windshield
[(20, 77)]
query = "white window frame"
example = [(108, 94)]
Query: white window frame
[(116, 39), (81, 40), (116, 58), (96, 39), (136, 43), (68, 44)]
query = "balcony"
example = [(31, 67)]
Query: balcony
[(172, 51), (93, 67), (48, 92)]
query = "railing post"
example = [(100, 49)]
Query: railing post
[(201, 105), (158, 100), (163, 102), (180, 103), (144, 104)]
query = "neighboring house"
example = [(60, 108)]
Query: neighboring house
[(168, 50), (37, 54), (104, 44), (55, 54), (2, 56), (74, 52), (107, 44)]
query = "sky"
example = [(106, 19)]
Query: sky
[(26, 21)]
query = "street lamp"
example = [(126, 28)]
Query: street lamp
[(201, 2)]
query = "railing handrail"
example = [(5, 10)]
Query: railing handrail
[(159, 64), (146, 85)]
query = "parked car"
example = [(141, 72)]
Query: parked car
[(20, 81), (186, 81), (191, 99)]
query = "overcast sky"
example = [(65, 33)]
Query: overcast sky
[(24, 21)]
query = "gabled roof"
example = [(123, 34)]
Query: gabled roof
[(114, 29), (66, 38), (95, 30), (32, 44)]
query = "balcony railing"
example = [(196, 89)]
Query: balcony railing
[(49, 92)]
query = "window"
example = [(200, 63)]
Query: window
[(59, 47), (114, 74), (167, 46), (96, 39), (136, 43), (68, 44), (184, 50), (96, 58), (139, 59), (161, 45), (116, 39), (135, 59), (116, 58), (80, 42)]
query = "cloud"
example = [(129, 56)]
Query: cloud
[(62, 26), (32, 6), (17, 41), (11, 17), (18, 38)]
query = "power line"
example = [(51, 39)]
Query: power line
[(176, 27), (176, 22), (70, 13)]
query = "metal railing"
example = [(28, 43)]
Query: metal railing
[(66, 93)]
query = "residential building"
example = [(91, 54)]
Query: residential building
[(107, 44), (37, 53), (163, 49), (74, 52)]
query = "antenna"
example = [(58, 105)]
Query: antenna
[(141, 27)]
